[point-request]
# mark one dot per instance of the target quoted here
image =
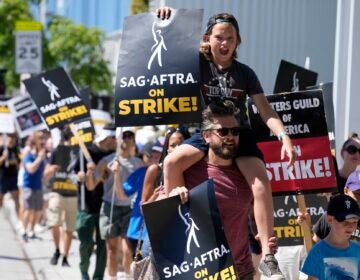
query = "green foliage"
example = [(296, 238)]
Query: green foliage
[(139, 6), (10, 12), (78, 48), (75, 47)]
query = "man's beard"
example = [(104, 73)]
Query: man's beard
[(224, 151)]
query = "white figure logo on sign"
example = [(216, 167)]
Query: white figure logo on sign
[(157, 47), (53, 89), (190, 230)]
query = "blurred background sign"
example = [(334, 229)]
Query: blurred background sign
[(28, 50)]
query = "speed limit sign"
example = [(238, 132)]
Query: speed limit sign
[(28, 49)]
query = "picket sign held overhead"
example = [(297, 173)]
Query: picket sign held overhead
[(59, 102), (26, 116), (158, 76), (57, 98)]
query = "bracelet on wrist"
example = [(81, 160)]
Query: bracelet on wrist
[(281, 135)]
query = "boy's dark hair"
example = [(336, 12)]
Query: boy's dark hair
[(219, 109), (353, 136)]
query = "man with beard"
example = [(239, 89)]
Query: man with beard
[(220, 130)]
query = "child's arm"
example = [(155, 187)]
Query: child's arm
[(176, 163), (272, 120)]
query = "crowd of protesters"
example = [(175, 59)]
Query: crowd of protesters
[(122, 175), (45, 182)]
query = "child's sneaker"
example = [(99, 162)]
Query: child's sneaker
[(269, 268)]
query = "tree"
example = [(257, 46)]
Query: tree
[(75, 47), (10, 12), (139, 6), (79, 49)]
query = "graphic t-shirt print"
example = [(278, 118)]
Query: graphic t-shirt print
[(341, 268)]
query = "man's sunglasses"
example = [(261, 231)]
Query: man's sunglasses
[(352, 149), (224, 131), (128, 136)]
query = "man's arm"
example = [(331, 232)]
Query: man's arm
[(91, 180), (118, 184)]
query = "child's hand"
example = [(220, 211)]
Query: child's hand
[(302, 217), (288, 150), (163, 12)]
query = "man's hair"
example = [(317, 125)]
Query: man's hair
[(220, 109)]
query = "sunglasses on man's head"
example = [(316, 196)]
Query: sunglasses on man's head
[(224, 131), (352, 149)]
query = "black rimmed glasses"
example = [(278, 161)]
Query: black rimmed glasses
[(351, 149), (224, 131)]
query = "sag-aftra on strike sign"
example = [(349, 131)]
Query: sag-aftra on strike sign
[(158, 71), (56, 98)]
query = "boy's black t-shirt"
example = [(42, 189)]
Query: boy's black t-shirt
[(93, 199), (235, 83)]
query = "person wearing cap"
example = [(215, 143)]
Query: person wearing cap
[(336, 256), (115, 213), (224, 78), (87, 220), (151, 154), (322, 228)]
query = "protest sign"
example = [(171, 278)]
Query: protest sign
[(6, 119), (85, 130), (85, 96), (304, 120), (56, 98), (187, 240), (158, 71), (287, 230), (26, 115), (292, 77), (100, 119), (327, 90)]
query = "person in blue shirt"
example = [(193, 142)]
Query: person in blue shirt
[(34, 165), (336, 256)]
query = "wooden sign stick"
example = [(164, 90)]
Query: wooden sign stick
[(81, 143), (306, 226)]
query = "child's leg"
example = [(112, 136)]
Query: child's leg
[(177, 162), (254, 172)]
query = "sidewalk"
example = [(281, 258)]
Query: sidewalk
[(31, 260), (13, 261)]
